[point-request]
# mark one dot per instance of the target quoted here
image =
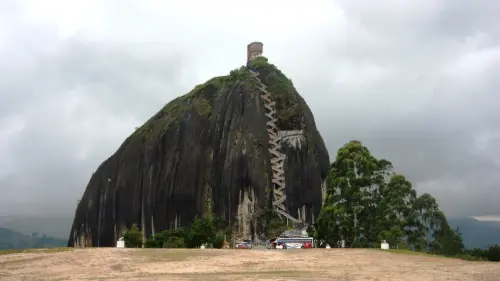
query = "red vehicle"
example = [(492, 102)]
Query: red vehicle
[(297, 242)]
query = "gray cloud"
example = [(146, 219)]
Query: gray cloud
[(415, 81)]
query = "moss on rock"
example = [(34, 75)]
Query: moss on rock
[(200, 100), (289, 109)]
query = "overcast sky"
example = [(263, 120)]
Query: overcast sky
[(416, 81)]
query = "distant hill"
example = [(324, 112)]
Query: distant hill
[(10, 239), (58, 227), (477, 234)]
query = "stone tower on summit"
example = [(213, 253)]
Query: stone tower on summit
[(254, 50)]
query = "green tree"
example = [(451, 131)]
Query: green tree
[(133, 237), (151, 243), (276, 227), (422, 222), (353, 190), (218, 241), (447, 241), (327, 226), (173, 238), (201, 231), (394, 207), (493, 253), (174, 242), (367, 202)]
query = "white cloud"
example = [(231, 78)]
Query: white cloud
[(416, 81), (487, 218)]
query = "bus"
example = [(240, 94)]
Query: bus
[(295, 242)]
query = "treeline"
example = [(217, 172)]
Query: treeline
[(202, 231), (490, 254), (367, 202)]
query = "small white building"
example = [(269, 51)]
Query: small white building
[(384, 245), (120, 243)]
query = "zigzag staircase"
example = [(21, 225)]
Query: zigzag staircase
[(277, 158)]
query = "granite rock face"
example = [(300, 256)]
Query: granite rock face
[(206, 153)]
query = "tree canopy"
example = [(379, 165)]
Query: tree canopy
[(368, 202)]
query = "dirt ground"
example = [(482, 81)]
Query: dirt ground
[(206, 265)]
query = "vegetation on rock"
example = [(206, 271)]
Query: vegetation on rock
[(199, 100), (288, 101)]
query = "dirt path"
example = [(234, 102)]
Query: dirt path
[(206, 265)]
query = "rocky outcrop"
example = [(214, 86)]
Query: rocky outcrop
[(207, 153)]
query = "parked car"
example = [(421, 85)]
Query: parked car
[(244, 245), (281, 245)]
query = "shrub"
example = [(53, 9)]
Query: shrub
[(151, 243), (493, 253), (133, 237), (490, 254), (470, 257), (174, 242), (173, 238), (218, 242), (202, 231)]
